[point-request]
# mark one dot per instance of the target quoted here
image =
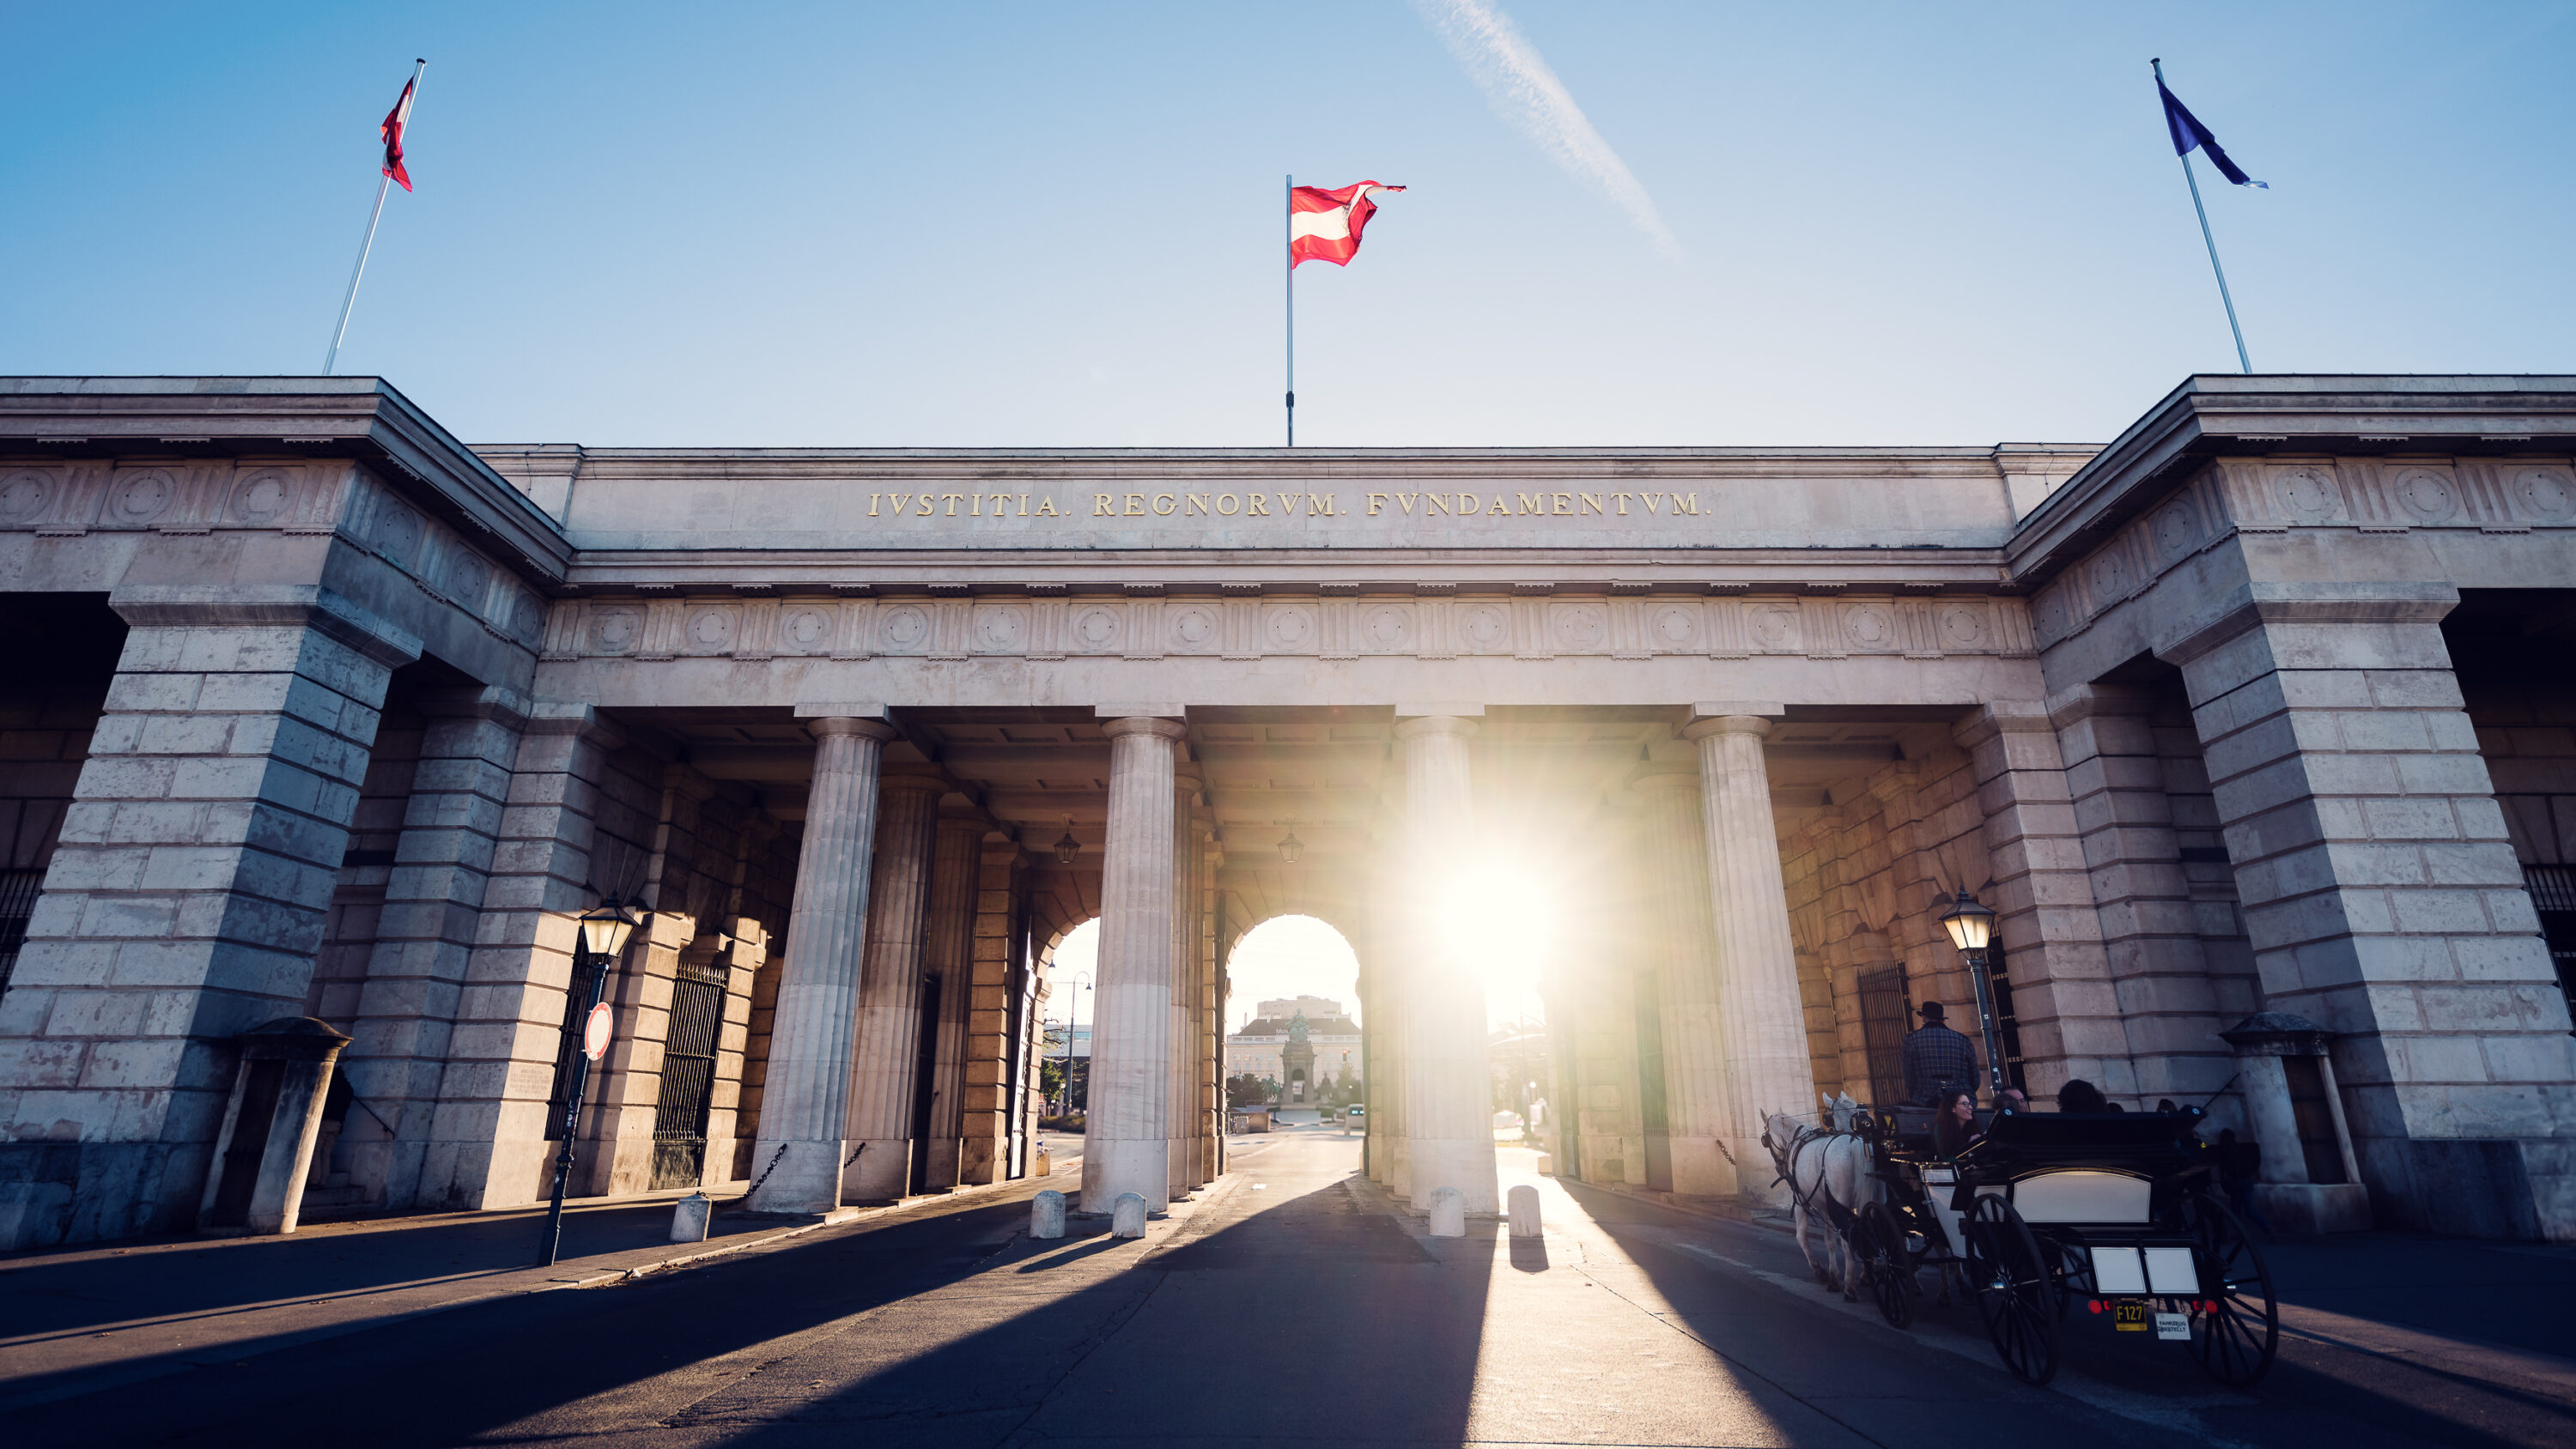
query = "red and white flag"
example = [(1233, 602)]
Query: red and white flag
[(1324, 226), (395, 120)]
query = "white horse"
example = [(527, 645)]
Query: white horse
[(1827, 1170)]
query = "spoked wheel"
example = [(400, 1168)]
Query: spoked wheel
[(1883, 1261), (2236, 1334), (2010, 1274)]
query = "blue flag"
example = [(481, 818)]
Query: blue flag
[(2189, 132)]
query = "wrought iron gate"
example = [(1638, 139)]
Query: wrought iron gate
[(1884, 1013), (688, 1076), (18, 892)]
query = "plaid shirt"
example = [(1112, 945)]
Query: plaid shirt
[(1937, 1057)]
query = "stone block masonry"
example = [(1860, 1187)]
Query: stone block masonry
[(186, 901)]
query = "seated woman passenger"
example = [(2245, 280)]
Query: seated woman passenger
[(2079, 1095), (1954, 1123)]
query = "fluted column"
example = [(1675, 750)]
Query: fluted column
[(1128, 1142), (945, 953), (1183, 1075), (887, 1068), (1762, 1024), (1448, 1089), (804, 1107), (1681, 937)]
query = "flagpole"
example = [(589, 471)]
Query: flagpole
[(383, 183), (2211, 242), (1287, 226)]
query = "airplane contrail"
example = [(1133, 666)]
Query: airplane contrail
[(1524, 92)]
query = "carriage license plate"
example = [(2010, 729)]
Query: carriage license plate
[(2129, 1315), (2173, 1327)]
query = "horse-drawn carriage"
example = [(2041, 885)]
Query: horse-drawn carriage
[(2048, 1209)]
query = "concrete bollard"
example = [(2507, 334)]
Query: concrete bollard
[(1522, 1202), (1046, 1215), (1448, 1213), (1127, 1219), (690, 1216), (1044, 1166)]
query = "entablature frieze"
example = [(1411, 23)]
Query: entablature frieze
[(1358, 624)]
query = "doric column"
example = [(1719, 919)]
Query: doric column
[(994, 1029), (1681, 941), (1128, 1139), (1185, 982), (886, 1072), (1764, 1025), (804, 1105), (945, 960), (425, 935), (1449, 1106), (186, 901)]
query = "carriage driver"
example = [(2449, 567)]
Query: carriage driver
[(1936, 1057)]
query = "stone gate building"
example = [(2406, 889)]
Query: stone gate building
[(314, 711)]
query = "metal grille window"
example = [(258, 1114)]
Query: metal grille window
[(688, 1075), (2553, 895), (18, 892), (2007, 1026), (1883, 1013), (568, 1046)]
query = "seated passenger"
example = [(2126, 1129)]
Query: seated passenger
[(1954, 1126), (2079, 1095)]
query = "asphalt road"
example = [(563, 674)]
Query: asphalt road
[(1287, 1306)]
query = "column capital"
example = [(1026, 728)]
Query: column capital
[(1420, 710), (2001, 717), (2068, 707), (1435, 724), (2260, 603), (839, 724), (920, 779), (1726, 724), (167, 606), (1728, 708), (1663, 775), (1159, 726), (581, 721), (840, 709), (495, 702)]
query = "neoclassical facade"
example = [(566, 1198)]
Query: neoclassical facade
[(315, 711)]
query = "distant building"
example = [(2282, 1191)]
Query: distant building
[(1304, 1034)]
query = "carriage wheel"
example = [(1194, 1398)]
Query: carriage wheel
[(2236, 1338), (2015, 1294), (1884, 1263)]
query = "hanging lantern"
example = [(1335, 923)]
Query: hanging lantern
[(1068, 847), (1291, 849)]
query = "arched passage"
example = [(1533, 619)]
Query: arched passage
[(1294, 1017)]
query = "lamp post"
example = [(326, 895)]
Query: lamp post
[(600, 937), (1972, 930), (1079, 981)]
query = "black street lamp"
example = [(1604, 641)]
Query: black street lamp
[(1291, 849), (601, 937), (1972, 929)]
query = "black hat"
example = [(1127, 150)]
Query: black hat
[(1930, 1011)]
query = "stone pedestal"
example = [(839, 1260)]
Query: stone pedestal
[(2382, 895), (804, 1110), (1128, 1137), (186, 900), (265, 1151), (1447, 1086), (1764, 1025)]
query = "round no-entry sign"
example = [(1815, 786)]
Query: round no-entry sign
[(595, 1034)]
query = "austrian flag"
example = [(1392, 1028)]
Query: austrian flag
[(395, 120), (1324, 226)]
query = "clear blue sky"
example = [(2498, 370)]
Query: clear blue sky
[(1001, 224)]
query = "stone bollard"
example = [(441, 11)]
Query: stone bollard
[(1523, 1203), (1046, 1215), (690, 1216), (1045, 1164), (1448, 1213), (1127, 1219)]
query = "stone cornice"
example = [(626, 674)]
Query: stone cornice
[(2213, 415), (287, 417)]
